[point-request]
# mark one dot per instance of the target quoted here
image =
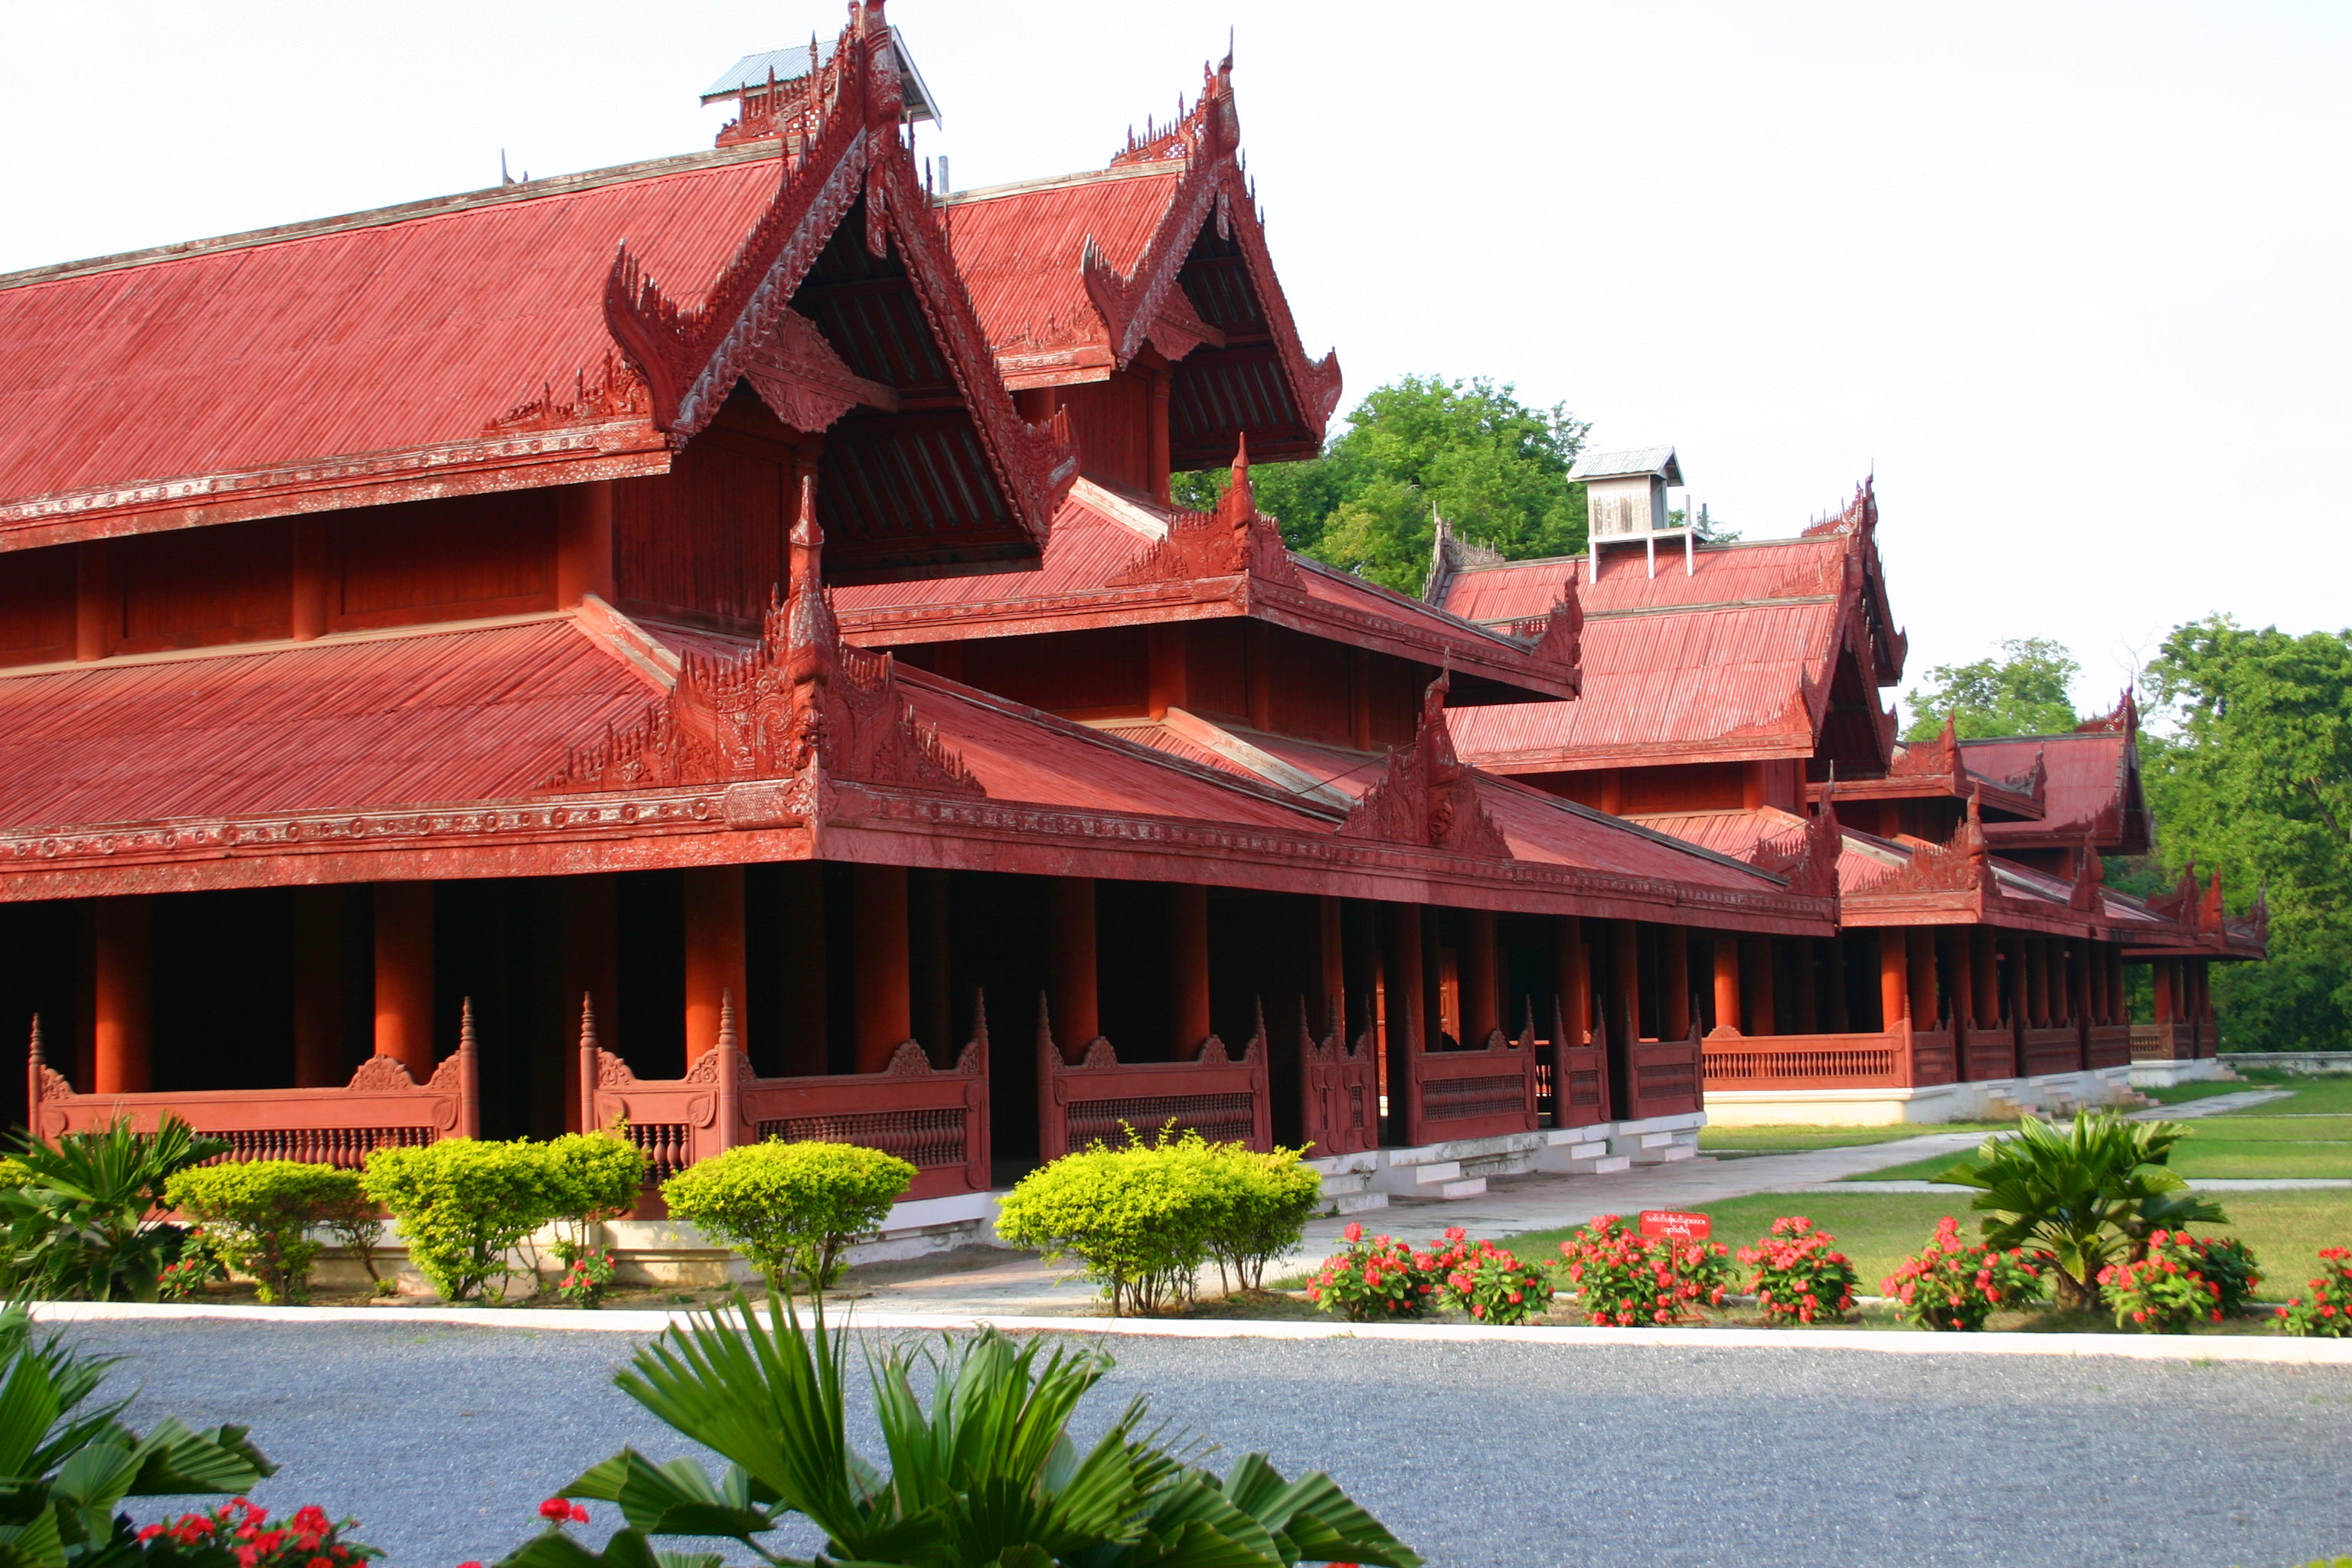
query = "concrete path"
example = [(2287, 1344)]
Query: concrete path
[(991, 1282), (1690, 1455), (2213, 1107), (2200, 1184)]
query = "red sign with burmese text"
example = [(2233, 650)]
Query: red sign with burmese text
[(1682, 1226)]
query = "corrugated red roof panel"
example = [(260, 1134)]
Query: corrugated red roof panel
[(389, 336), (479, 714), (1020, 252), (2087, 776)]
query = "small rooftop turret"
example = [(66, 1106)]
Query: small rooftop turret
[(1626, 492)]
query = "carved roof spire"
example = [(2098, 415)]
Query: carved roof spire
[(2090, 872), (1427, 796)]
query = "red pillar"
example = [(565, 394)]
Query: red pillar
[(1807, 1001), (884, 1001), (1481, 985), (1574, 972), (1328, 1011), (589, 909), (1894, 980), (714, 953), (1187, 960), (1758, 1003), (1072, 973), (123, 952), (404, 975), (583, 541), (928, 963), (1673, 983), (1984, 1006), (1727, 982), (804, 972), (1626, 1002), (1924, 1008), (318, 988)]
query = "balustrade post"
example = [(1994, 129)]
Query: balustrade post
[(469, 1077), (35, 1060), (585, 1073), (728, 1129)]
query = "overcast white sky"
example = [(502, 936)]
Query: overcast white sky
[(2071, 277)]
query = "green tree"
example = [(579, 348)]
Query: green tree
[(1471, 450), (2023, 693), (2257, 782)]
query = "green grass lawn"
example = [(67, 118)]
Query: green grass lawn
[(2305, 1136), (1799, 1140), (2313, 1096), (2182, 1093), (1877, 1231)]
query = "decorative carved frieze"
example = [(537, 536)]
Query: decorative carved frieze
[(1806, 856), (1427, 796), (803, 382), (2090, 872), (1236, 539), (614, 391), (1959, 867)]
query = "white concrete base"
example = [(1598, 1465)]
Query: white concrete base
[(1461, 1168), (2291, 1062), (1992, 1099), (1348, 1183), (2165, 1075)]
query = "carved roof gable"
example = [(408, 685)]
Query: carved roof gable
[(1236, 539), (1427, 796)]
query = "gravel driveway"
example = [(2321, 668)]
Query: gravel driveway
[(442, 1439)]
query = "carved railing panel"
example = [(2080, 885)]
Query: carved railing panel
[(2175, 1041), (1988, 1052), (1665, 1078), (1895, 1058), (1339, 1082), (1478, 1093), (2051, 1050), (382, 1107), (2107, 1045), (934, 1119), (1223, 1098)]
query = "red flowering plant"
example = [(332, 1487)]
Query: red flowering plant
[(1488, 1282), (1622, 1278), (585, 1278), (1800, 1276), (1955, 1286), (2327, 1311), (2166, 1291), (1375, 1280), (241, 1533)]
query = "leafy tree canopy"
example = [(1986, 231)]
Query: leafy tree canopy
[(2258, 782), (1494, 467), (2023, 693)]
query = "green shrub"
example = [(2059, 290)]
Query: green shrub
[(260, 1214), (84, 1222), (463, 1203), (1263, 1204), (598, 1176), (790, 1209), (1137, 1218)]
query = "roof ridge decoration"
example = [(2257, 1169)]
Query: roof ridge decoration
[(1961, 867), (1428, 796), (1939, 758), (2090, 874), (1236, 539), (615, 391), (845, 144), (1140, 305), (800, 704), (1806, 857), (2121, 719)]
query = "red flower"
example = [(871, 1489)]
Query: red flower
[(555, 1508)]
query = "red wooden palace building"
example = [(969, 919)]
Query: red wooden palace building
[(707, 641)]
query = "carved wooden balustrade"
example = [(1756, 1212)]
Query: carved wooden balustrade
[(1571, 1079), (1479, 1093), (1900, 1058), (2107, 1045), (1989, 1051), (1339, 1089), (2177, 1040), (1665, 1078), (382, 1107), (1223, 1098), (935, 1118), (2057, 1049)]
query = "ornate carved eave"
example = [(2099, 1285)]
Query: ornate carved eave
[(1807, 857), (1235, 540), (800, 706), (803, 382), (844, 146), (1148, 306), (2122, 720), (2090, 874), (1959, 867), (1427, 796)]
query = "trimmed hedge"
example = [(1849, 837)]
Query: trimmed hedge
[(790, 1209), (1141, 1218), (260, 1214), (464, 1203)]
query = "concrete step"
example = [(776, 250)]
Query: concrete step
[(1358, 1203), (1453, 1191), (1347, 1183)]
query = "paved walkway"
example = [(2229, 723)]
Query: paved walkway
[(2218, 1103), (992, 1282), (2200, 1184)]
